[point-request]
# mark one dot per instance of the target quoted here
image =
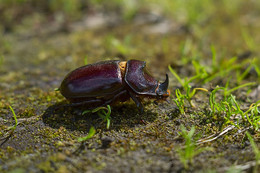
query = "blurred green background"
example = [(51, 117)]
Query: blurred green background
[(231, 26)]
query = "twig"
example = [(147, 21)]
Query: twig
[(242, 131), (215, 136), (244, 167)]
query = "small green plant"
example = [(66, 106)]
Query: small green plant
[(231, 111), (16, 122), (103, 112), (189, 93), (229, 91), (253, 115), (179, 101), (223, 67), (224, 108), (91, 133), (10, 129), (228, 107), (190, 150), (257, 69), (212, 100), (255, 149), (250, 64)]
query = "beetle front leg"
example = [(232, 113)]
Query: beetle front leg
[(137, 102)]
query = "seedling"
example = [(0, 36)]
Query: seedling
[(16, 122), (212, 100), (190, 149), (229, 91), (257, 69), (231, 110), (255, 149), (254, 117), (91, 133), (103, 112), (10, 129), (179, 101), (189, 93), (222, 70), (219, 69), (228, 107)]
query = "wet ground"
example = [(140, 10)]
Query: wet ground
[(38, 53)]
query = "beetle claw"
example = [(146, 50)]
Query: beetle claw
[(140, 106), (137, 102)]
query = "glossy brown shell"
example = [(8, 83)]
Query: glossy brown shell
[(94, 80), (107, 82)]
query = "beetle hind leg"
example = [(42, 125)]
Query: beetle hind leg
[(137, 102)]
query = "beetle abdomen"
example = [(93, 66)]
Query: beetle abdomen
[(95, 80)]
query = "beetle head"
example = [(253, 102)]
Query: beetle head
[(162, 90)]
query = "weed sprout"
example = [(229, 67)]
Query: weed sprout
[(103, 112)]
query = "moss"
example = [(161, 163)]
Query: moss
[(29, 112)]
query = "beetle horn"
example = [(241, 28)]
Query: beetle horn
[(164, 86)]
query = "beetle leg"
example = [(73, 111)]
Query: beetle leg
[(137, 101)]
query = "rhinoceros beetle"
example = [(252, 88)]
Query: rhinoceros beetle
[(106, 82)]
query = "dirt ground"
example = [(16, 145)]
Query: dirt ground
[(37, 52)]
